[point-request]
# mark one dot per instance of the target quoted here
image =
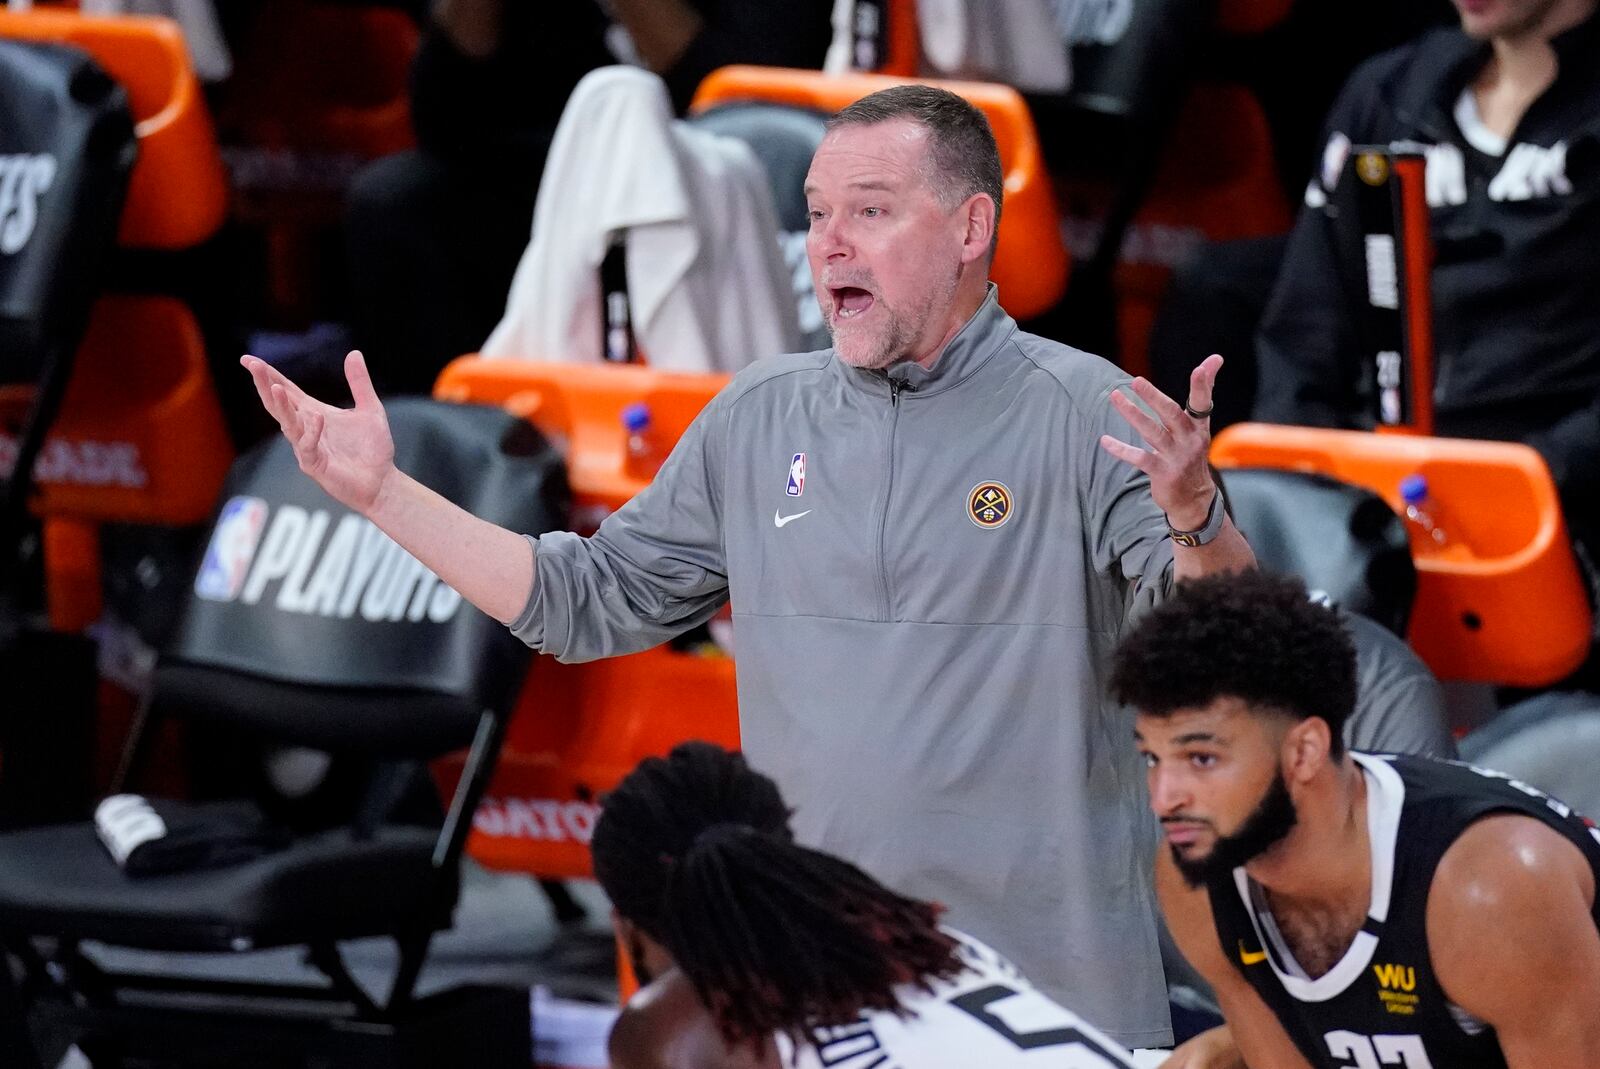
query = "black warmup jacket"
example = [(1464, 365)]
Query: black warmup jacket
[(1516, 281)]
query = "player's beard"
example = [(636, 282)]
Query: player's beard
[(1265, 827)]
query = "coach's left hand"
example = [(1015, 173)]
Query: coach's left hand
[(1179, 440)]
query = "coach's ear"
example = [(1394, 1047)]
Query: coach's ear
[(1307, 749)]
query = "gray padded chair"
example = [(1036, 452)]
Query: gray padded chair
[(1551, 741), (784, 139)]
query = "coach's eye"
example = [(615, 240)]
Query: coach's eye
[(1203, 760), (1150, 759)]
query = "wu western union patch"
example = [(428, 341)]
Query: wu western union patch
[(989, 505)]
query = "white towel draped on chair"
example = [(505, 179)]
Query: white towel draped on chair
[(706, 281)]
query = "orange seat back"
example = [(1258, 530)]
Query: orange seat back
[(178, 192), (579, 728), (579, 407), (1031, 263), (1503, 601), (139, 439)]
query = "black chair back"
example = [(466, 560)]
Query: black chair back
[(1343, 540), (309, 624), (67, 147)]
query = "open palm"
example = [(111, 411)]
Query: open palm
[(348, 451)]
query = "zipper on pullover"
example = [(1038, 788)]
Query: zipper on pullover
[(896, 388)]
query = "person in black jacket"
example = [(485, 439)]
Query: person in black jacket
[(1507, 109)]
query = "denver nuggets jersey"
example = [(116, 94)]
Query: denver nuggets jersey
[(1381, 1005), (989, 1016)]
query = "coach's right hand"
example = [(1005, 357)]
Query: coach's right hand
[(348, 451)]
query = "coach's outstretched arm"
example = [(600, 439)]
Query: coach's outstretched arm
[(350, 454)]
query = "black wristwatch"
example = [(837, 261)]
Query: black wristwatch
[(1207, 531)]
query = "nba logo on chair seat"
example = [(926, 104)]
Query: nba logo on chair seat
[(797, 476), (233, 546)]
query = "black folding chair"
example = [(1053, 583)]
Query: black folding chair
[(307, 627), (67, 138)]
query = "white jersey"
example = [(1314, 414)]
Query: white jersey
[(988, 1016)]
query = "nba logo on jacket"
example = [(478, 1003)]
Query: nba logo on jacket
[(233, 545), (797, 476)]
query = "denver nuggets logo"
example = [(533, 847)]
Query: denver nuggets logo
[(989, 505)]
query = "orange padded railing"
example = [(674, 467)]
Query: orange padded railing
[(1502, 601), (1031, 263)]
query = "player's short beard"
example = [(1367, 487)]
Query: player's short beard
[(1267, 824)]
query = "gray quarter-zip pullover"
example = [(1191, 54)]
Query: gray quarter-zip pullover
[(924, 606)]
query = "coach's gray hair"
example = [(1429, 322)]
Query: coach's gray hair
[(961, 146)]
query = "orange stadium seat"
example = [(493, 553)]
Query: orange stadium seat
[(1031, 263), (178, 193), (1503, 601), (580, 728), (140, 437)]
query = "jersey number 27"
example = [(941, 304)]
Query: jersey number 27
[(1376, 1052)]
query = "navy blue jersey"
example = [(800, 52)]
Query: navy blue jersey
[(1381, 1004)]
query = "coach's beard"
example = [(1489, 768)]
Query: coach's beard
[(1266, 825)]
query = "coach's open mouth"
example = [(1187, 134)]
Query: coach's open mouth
[(851, 301)]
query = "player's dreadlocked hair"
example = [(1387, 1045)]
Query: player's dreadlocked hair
[(695, 850), (777, 937), (651, 819)]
